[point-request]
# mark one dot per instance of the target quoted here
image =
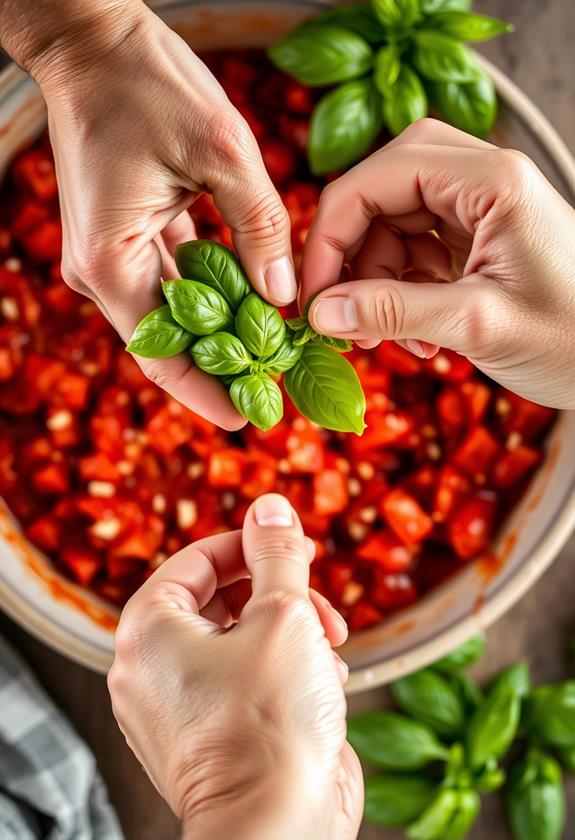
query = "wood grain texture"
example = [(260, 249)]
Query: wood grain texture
[(539, 57)]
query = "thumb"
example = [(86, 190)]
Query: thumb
[(461, 316)]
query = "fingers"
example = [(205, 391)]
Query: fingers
[(180, 229), (333, 623)]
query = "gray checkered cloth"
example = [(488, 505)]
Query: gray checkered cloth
[(49, 785)]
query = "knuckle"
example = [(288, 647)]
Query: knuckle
[(231, 138), (421, 129), (129, 641), (388, 312), (284, 606), (266, 219), (518, 173), (484, 323)]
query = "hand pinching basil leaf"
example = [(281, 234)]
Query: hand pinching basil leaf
[(258, 399), (215, 266), (462, 656), (442, 58), (159, 336), (406, 101), (221, 354), (283, 359), (260, 326), (471, 106), (394, 741), (550, 715), (325, 388), (468, 26), (493, 726), (428, 697), (395, 801), (387, 68), (397, 14), (358, 19), (322, 55), (434, 821), (536, 799), (197, 307)]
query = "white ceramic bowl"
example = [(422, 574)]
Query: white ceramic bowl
[(81, 626)]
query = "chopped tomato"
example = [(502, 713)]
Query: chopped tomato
[(363, 615), (477, 453), (515, 465), (82, 563), (397, 360), (330, 493), (471, 526), (452, 487), (386, 550), (405, 516)]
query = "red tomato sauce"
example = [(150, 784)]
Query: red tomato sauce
[(109, 476)]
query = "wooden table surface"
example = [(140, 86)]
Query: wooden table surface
[(539, 57)]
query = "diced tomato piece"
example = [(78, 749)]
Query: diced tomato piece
[(298, 98), (375, 380), (121, 567), (330, 493), (405, 516), (82, 563), (305, 447), (72, 391), (19, 303), (98, 467), (28, 217), (260, 476), (64, 427), (397, 360), (278, 159), (477, 397), (339, 573), (52, 479), (362, 615), (477, 453), (35, 171), (392, 591), (61, 299), (44, 243), (300, 496), (7, 364), (450, 366), (385, 549), (129, 374), (169, 428), (5, 241), (384, 428), (422, 483), (141, 545), (42, 373), (451, 410), (226, 468), (45, 532), (522, 416), (515, 465), (471, 527), (452, 488)]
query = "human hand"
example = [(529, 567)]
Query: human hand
[(510, 241), (241, 728), (139, 127)]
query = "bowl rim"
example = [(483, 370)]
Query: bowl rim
[(511, 591)]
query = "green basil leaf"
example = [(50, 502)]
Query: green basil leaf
[(258, 399), (517, 677), (325, 388), (322, 55), (441, 58), (467, 26), (296, 324), (394, 741), (197, 307), (283, 359), (434, 821), (344, 126), (470, 693), (260, 326), (341, 345), (464, 817), (463, 656), (220, 354), (428, 697), (490, 778), (395, 801), (397, 14), (471, 107), (550, 715), (493, 727), (159, 336), (433, 7), (215, 266), (387, 67), (406, 102), (303, 336), (358, 19), (536, 798)]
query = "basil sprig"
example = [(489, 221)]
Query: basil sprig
[(536, 798), (388, 60)]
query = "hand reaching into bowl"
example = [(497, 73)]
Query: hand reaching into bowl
[(511, 310), (241, 728), (139, 127)]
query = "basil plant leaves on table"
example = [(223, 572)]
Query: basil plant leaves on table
[(390, 61), (232, 333)]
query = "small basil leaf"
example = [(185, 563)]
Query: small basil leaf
[(197, 307), (405, 103), (341, 345), (493, 727), (428, 697), (344, 126), (536, 798), (394, 741), (358, 19), (463, 656), (322, 55), (387, 67), (220, 354), (471, 107), (395, 801), (464, 817), (550, 715), (325, 388), (283, 359), (470, 693), (159, 336), (434, 821), (397, 14), (517, 677), (490, 778), (442, 58), (258, 399), (468, 26), (303, 336), (296, 324), (215, 266), (432, 7), (260, 326)]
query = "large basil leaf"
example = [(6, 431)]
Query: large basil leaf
[(441, 58), (216, 266), (395, 801), (432, 7), (221, 354), (463, 656), (468, 26), (397, 14), (464, 816), (159, 336), (358, 19), (405, 103), (550, 714), (471, 106), (197, 307), (536, 798), (344, 126), (516, 676), (430, 698), (322, 55), (260, 326), (394, 741), (258, 399), (283, 359), (493, 727), (325, 388), (433, 822), (387, 67)]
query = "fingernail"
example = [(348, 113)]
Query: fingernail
[(415, 347), (273, 510), (335, 315), (280, 281)]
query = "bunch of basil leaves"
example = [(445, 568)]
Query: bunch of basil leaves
[(232, 333), (444, 749), (390, 60)]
